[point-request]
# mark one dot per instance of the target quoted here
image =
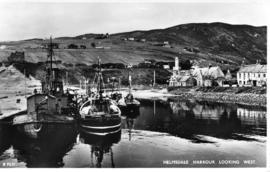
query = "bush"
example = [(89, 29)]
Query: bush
[(72, 46)]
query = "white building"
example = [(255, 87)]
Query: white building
[(252, 75), (176, 65), (175, 77), (143, 40), (166, 67)]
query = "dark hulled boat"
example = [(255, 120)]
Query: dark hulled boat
[(129, 104), (52, 104), (99, 115)]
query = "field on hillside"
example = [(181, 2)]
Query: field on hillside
[(109, 51), (203, 44)]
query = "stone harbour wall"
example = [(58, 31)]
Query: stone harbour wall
[(226, 97)]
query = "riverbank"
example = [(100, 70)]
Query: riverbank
[(247, 96)]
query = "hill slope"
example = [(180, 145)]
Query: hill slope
[(215, 43), (215, 38)]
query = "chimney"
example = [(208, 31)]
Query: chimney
[(243, 62)]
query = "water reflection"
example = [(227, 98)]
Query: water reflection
[(100, 146), (163, 130), (129, 122), (190, 119), (5, 139), (43, 145)]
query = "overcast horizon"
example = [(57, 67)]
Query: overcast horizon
[(40, 20)]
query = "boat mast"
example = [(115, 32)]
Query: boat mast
[(154, 79), (51, 53), (49, 69), (129, 79), (119, 84), (99, 79), (24, 81)]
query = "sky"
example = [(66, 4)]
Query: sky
[(28, 19)]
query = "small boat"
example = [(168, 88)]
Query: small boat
[(129, 104), (99, 115)]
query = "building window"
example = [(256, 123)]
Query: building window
[(259, 75), (264, 75)]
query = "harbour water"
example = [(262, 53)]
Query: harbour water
[(171, 133)]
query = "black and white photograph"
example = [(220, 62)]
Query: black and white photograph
[(133, 84)]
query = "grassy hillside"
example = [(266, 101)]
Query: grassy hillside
[(235, 42), (215, 43), (204, 43), (118, 52)]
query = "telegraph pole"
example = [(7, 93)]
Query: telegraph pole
[(154, 83), (24, 82)]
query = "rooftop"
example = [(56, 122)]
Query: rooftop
[(214, 71), (254, 68)]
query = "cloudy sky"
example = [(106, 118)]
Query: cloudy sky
[(23, 20)]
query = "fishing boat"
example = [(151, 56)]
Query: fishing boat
[(115, 92), (99, 114), (52, 104), (129, 104)]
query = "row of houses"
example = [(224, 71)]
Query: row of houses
[(248, 75)]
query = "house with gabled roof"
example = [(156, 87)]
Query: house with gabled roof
[(208, 76), (228, 75)]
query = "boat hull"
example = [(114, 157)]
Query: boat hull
[(100, 125), (41, 118), (100, 140)]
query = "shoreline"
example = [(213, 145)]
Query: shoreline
[(250, 99), (240, 98)]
